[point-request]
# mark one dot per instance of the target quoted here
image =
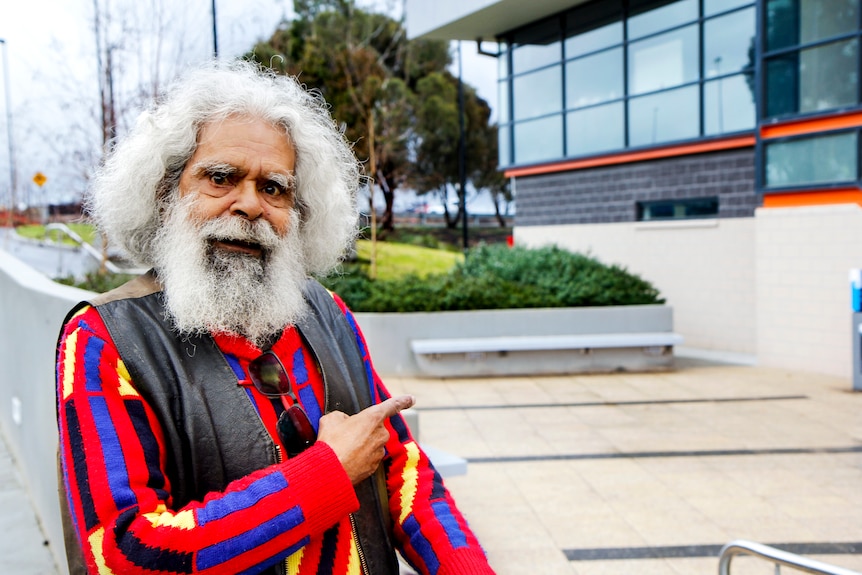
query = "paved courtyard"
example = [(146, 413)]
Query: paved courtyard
[(652, 473), (623, 473)]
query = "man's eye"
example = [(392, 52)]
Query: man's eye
[(272, 189), (219, 178)]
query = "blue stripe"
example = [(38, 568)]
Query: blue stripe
[(240, 500), (421, 545), (234, 364), (92, 363), (236, 546), (366, 358), (250, 395), (300, 370), (112, 453), (450, 524), (276, 559), (306, 393)]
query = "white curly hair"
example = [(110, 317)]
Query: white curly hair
[(140, 176)]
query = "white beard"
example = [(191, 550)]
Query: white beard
[(209, 290)]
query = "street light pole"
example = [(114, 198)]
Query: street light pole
[(462, 151), (215, 30), (12, 178)]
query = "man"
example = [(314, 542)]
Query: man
[(221, 414)]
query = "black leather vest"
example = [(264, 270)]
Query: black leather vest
[(213, 434)]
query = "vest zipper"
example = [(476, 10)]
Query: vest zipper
[(363, 565)]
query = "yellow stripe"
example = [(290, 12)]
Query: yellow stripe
[(125, 379), (353, 565), (95, 541), (70, 346), (80, 312), (410, 477), (293, 562), (182, 520)]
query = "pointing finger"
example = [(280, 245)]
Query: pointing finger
[(393, 405)]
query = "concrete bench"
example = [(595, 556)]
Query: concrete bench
[(545, 354)]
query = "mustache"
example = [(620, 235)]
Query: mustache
[(233, 229)]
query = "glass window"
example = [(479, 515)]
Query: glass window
[(815, 160), (728, 43), (503, 101), (711, 7), (828, 76), (649, 19), (537, 46), (538, 93), (821, 19), (782, 93), (792, 22), (820, 78), (504, 134), (664, 117), (728, 104), (594, 26), (664, 61), (594, 79), (782, 24), (503, 60), (593, 40), (598, 129), (539, 140), (677, 209)]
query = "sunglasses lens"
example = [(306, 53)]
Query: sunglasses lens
[(295, 430), (268, 375)]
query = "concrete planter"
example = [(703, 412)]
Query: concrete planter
[(391, 338)]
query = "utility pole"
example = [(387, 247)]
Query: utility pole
[(215, 30), (12, 175)]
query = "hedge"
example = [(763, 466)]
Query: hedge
[(499, 277)]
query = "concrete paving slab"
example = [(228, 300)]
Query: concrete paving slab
[(23, 548)]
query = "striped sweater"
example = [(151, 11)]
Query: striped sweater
[(113, 464)]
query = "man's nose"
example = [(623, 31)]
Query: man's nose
[(247, 202)]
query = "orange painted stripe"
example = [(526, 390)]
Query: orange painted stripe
[(812, 125), (813, 198), (627, 157)]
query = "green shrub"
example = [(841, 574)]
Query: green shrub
[(498, 277), (97, 282)]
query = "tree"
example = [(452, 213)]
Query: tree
[(370, 73), (437, 129)]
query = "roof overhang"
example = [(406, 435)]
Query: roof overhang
[(473, 19)]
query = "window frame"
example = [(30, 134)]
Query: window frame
[(509, 40)]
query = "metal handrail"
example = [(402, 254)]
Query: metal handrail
[(777, 556), (89, 249)]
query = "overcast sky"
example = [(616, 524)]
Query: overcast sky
[(52, 64)]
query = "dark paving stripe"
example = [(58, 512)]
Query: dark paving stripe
[(613, 403), (652, 454), (683, 551)]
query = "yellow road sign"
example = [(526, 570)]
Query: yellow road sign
[(39, 179)]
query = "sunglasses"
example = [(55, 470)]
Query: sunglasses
[(294, 428)]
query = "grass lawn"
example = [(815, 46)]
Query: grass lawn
[(396, 260), (393, 259), (37, 232)]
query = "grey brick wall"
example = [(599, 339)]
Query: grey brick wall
[(610, 194)]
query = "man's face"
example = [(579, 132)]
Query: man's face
[(242, 167)]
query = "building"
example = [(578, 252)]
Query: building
[(711, 146)]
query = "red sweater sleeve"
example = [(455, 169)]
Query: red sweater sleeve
[(113, 464), (432, 533)]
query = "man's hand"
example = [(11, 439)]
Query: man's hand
[(358, 440)]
